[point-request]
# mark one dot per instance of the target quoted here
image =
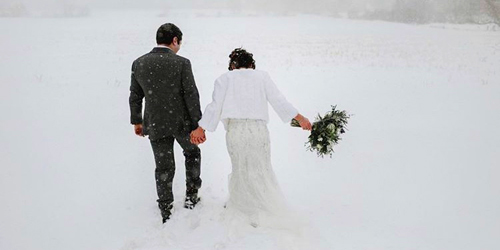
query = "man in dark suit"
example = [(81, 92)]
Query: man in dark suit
[(171, 112)]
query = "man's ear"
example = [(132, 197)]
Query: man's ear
[(175, 41)]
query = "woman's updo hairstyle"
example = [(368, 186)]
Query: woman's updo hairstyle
[(241, 58)]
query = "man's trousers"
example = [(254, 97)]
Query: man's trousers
[(163, 150)]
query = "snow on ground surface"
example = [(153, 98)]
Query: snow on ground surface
[(418, 168)]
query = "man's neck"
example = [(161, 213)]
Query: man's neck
[(164, 46)]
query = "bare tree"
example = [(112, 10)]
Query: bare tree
[(494, 10), (16, 9), (409, 11)]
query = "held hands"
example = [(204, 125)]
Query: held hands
[(138, 130), (198, 136), (304, 122)]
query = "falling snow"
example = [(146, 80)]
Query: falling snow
[(417, 170)]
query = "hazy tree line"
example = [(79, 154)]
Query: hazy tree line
[(407, 11), (56, 8), (454, 11)]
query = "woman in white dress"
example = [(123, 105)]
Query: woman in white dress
[(240, 101)]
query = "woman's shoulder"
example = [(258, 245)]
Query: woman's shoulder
[(238, 74), (261, 72), (245, 72)]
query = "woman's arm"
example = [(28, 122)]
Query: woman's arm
[(285, 110), (211, 117)]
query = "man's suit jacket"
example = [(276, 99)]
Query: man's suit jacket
[(166, 81)]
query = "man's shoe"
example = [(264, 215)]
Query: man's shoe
[(191, 198), (164, 219), (191, 201), (167, 213)]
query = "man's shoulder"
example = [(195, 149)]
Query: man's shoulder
[(151, 56), (141, 59), (176, 59), (182, 59)]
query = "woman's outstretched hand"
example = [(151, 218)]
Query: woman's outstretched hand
[(198, 136), (304, 122)]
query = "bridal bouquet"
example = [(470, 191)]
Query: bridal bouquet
[(326, 131)]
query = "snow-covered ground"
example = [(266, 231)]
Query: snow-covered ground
[(418, 168)]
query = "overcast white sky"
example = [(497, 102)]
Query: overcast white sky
[(182, 3), (413, 10)]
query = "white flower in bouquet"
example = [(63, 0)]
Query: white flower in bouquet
[(331, 127)]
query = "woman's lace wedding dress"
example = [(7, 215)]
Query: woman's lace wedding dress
[(254, 192)]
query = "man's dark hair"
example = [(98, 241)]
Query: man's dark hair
[(240, 58), (166, 34)]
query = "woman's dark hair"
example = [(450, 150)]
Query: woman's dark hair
[(166, 34), (240, 58)]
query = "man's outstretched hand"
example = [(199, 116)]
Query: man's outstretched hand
[(138, 130), (198, 136)]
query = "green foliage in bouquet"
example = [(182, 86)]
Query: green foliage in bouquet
[(326, 131)]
